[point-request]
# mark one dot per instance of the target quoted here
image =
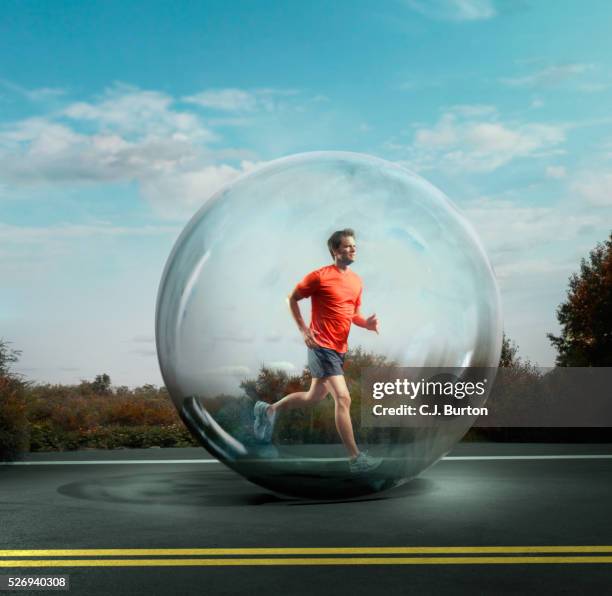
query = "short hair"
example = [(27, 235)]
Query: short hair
[(336, 238)]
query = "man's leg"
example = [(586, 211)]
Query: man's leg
[(344, 425), (317, 391), (265, 414)]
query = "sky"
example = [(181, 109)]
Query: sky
[(119, 120)]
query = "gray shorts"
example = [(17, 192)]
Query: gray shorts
[(324, 362)]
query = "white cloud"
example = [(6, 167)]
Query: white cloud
[(131, 134), (230, 121), (552, 75), (128, 135), (130, 111), (241, 100), (473, 110), (512, 232), (556, 172), (44, 93), (454, 10), (42, 151), (443, 134), (460, 141), (534, 250), (34, 95), (38, 130), (230, 100), (529, 267), (282, 365), (175, 193), (134, 135), (595, 187)]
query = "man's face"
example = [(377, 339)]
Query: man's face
[(347, 251)]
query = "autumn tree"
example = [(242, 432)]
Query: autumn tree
[(586, 315)]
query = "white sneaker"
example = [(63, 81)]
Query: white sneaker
[(364, 463), (263, 425)]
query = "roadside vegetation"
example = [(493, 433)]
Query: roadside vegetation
[(90, 415), (97, 415)]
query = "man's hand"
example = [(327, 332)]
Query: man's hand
[(371, 323), (309, 338)]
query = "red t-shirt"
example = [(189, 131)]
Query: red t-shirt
[(335, 297)]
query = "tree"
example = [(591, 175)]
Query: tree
[(14, 430), (586, 316), (508, 357), (101, 385), (8, 356)]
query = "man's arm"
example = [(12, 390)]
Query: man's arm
[(306, 332), (371, 323)]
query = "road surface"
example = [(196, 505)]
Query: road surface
[(509, 519)]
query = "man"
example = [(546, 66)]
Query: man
[(335, 293)]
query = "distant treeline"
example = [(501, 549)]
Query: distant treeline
[(90, 415), (96, 415)]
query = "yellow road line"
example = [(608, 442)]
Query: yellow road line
[(303, 561), (352, 550)]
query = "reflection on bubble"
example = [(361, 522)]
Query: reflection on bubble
[(226, 339)]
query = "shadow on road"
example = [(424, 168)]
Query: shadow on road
[(213, 489)]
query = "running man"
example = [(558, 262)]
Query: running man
[(335, 293)]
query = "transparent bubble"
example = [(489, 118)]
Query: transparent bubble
[(226, 338)]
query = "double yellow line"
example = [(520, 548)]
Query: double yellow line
[(385, 555)]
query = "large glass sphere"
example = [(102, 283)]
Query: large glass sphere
[(226, 338)]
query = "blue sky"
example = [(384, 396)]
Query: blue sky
[(118, 120)]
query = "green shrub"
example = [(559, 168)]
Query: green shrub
[(46, 437)]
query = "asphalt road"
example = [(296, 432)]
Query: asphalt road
[(532, 518)]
